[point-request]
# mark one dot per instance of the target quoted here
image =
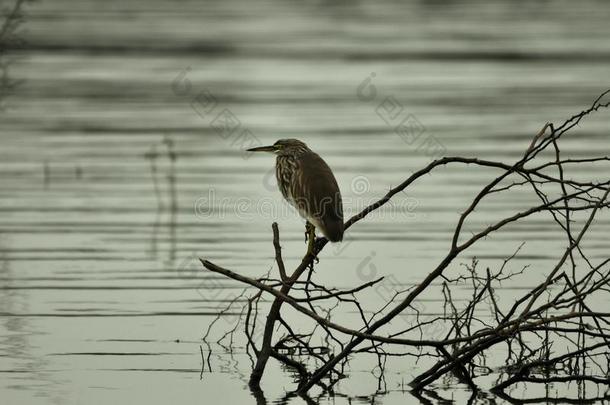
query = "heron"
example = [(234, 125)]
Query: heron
[(309, 185)]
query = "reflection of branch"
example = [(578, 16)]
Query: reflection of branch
[(170, 174), (528, 326), (13, 17), (550, 400), (522, 374)]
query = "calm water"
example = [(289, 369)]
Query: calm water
[(112, 184)]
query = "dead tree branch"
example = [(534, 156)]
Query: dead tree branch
[(560, 308)]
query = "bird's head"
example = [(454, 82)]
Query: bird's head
[(283, 147)]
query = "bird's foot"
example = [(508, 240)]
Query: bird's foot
[(310, 236), (310, 230), (312, 248), (312, 241), (312, 252)]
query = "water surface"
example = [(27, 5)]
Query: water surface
[(112, 182)]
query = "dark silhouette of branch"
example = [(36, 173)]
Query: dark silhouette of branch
[(11, 19), (559, 307)]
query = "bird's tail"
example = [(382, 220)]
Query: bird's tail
[(334, 230)]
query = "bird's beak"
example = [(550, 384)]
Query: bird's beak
[(269, 148)]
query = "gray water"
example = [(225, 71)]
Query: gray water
[(112, 182)]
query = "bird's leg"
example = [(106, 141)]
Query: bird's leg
[(310, 237), (307, 226)]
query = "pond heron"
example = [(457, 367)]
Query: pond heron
[(309, 185)]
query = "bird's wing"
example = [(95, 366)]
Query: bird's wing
[(317, 192)]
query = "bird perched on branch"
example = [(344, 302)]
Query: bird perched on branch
[(309, 185)]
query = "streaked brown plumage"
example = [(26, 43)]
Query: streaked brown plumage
[(307, 183)]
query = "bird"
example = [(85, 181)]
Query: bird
[(309, 185)]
